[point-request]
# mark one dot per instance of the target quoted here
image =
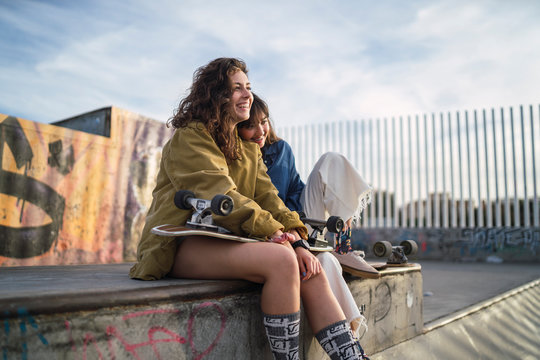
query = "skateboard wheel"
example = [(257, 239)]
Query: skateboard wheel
[(382, 248), (334, 224), (222, 205), (182, 199), (410, 247)]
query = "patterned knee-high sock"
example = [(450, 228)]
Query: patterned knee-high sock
[(338, 342), (283, 332)]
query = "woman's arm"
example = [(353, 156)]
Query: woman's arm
[(195, 162), (296, 186), (266, 195)]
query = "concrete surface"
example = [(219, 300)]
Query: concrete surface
[(393, 310), (476, 310), (452, 286), (97, 312), (504, 327)]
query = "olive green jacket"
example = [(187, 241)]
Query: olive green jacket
[(191, 160)]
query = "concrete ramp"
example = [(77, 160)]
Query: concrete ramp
[(504, 327)]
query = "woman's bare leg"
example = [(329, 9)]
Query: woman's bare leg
[(327, 319), (320, 304), (273, 265)]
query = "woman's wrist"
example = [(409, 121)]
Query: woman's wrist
[(295, 234)]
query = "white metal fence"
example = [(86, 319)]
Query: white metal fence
[(464, 169)]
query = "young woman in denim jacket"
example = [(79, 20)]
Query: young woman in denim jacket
[(334, 187)]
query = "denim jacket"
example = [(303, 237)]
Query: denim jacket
[(279, 159)]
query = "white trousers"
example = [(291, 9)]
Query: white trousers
[(334, 187)]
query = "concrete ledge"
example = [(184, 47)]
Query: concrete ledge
[(54, 289), (504, 327), (393, 310), (97, 312)]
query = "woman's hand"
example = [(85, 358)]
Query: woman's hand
[(308, 263), (281, 237)]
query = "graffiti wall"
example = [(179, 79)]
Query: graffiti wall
[(189, 330), (467, 244), (70, 197)]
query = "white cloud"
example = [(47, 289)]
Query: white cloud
[(314, 61)]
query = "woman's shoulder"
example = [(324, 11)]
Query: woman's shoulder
[(279, 146), (193, 135), (191, 129), (193, 126), (285, 148)]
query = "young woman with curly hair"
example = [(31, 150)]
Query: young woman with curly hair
[(205, 155)]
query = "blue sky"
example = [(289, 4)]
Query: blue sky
[(313, 61)]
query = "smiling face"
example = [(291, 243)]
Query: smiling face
[(241, 98), (257, 130)]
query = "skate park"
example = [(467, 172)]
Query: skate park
[(74, 197)]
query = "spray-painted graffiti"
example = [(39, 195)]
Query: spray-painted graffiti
[(383, 295), (25, 320), (392, 306), (116, 340), (70, 197), (512, 244), (59, 158), (498, 239), (26, 241)]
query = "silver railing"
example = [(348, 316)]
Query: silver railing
[(464, 169)]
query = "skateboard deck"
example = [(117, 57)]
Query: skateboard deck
[(378, 265), (384, 265), (385, 268), (176, 230)]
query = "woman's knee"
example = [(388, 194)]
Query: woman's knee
[(316, 286), (283, 256), (331, 155), (281, 261), (329, 263)]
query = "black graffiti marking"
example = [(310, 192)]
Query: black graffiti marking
[(383, 298), (30, 241), (60, 159)]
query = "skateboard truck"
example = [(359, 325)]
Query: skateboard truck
[(396, 254), (334, 224), (202, 223), (203, 209)]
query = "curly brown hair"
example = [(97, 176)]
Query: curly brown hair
[(208, 103)]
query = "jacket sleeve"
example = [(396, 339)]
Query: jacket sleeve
[(294, 190), (267, 196), (195, 162)]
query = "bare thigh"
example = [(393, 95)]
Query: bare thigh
[(200, 257)]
